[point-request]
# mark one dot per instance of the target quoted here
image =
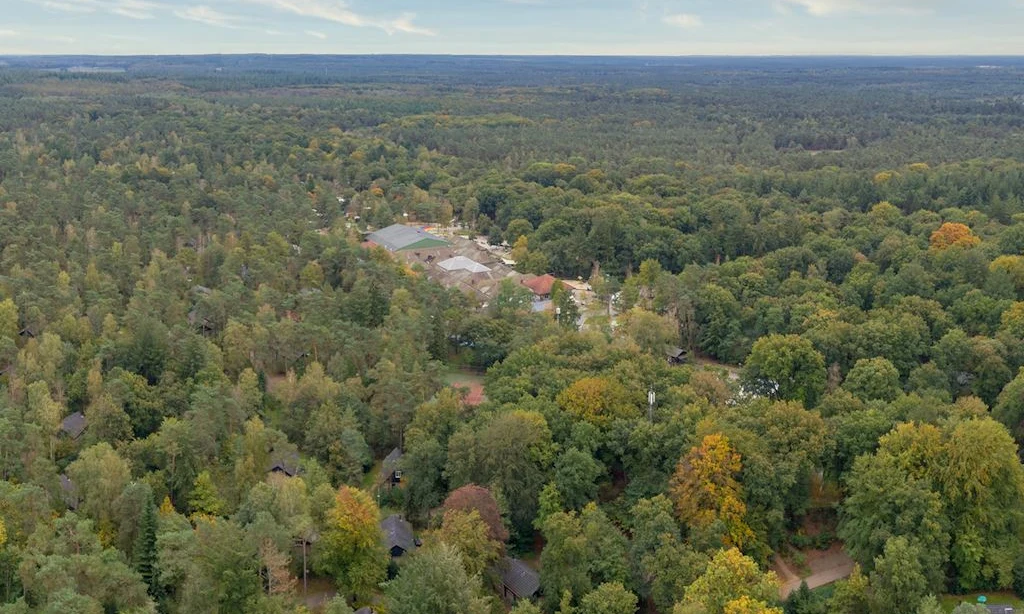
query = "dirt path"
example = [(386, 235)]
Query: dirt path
[(826, 567), (786, 575), (732, 371)]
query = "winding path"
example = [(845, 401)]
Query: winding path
[(825, 569)]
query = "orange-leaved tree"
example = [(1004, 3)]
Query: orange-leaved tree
[(705, 490), (953, 233)]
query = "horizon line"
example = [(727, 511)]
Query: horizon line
[(519, 55)]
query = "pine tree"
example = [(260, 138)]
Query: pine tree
[(144, 554)]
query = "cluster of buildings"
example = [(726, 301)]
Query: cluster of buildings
[(471, 266), (518, 580)]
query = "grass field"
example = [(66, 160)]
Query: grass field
[(951, 601)]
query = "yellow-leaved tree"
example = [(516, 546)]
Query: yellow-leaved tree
[(597, 400), (350, 548), (732, 584), (705, 490)]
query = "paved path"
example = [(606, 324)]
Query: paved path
[(825, 569)]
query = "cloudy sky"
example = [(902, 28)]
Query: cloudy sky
[(600, 27)]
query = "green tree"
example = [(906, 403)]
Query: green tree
[(562, 562), (609, 598), (785, 367), (470, 536), (205, 500), (223, 574), (884, 502), (338, 605), (1009, 407), (45, 412), (335, 438), (852, 595), (8, 320), (433, 581), (144, 552), (607, 548), (511, 452), (898, 576), (567, 312), (525, 607), (929, 605), (67, 559), (576, 476), (874, 378), (651, 332), (99, 475)]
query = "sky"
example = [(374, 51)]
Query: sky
[(527, 27)]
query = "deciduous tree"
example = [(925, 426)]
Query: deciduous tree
[(705, 489), (785, 367), (350, 548)]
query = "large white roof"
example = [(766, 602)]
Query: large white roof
[(461, 263)]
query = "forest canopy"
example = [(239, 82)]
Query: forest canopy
[(216, 395)]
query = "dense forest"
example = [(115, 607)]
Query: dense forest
[(213, 390)]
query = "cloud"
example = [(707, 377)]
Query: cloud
[(338, 11), (8, 33), (316, 34), (823, 8), (69, 7), (133, 9), (405, 25), (684, 20), (206, 15)]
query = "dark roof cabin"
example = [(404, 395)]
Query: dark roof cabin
[(518, 580), (398, 535), (74, 425), (286, 463), (390, 468), (676, 356), (69, 491)]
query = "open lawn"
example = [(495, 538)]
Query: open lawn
[(951, 601), (471, 381), (459, 377)]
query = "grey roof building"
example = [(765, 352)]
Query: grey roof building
[(518, 580), (398, 237), (675, 355), (74, 425), (286, 462), (390, 467), (398, 535), (70, 491)]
